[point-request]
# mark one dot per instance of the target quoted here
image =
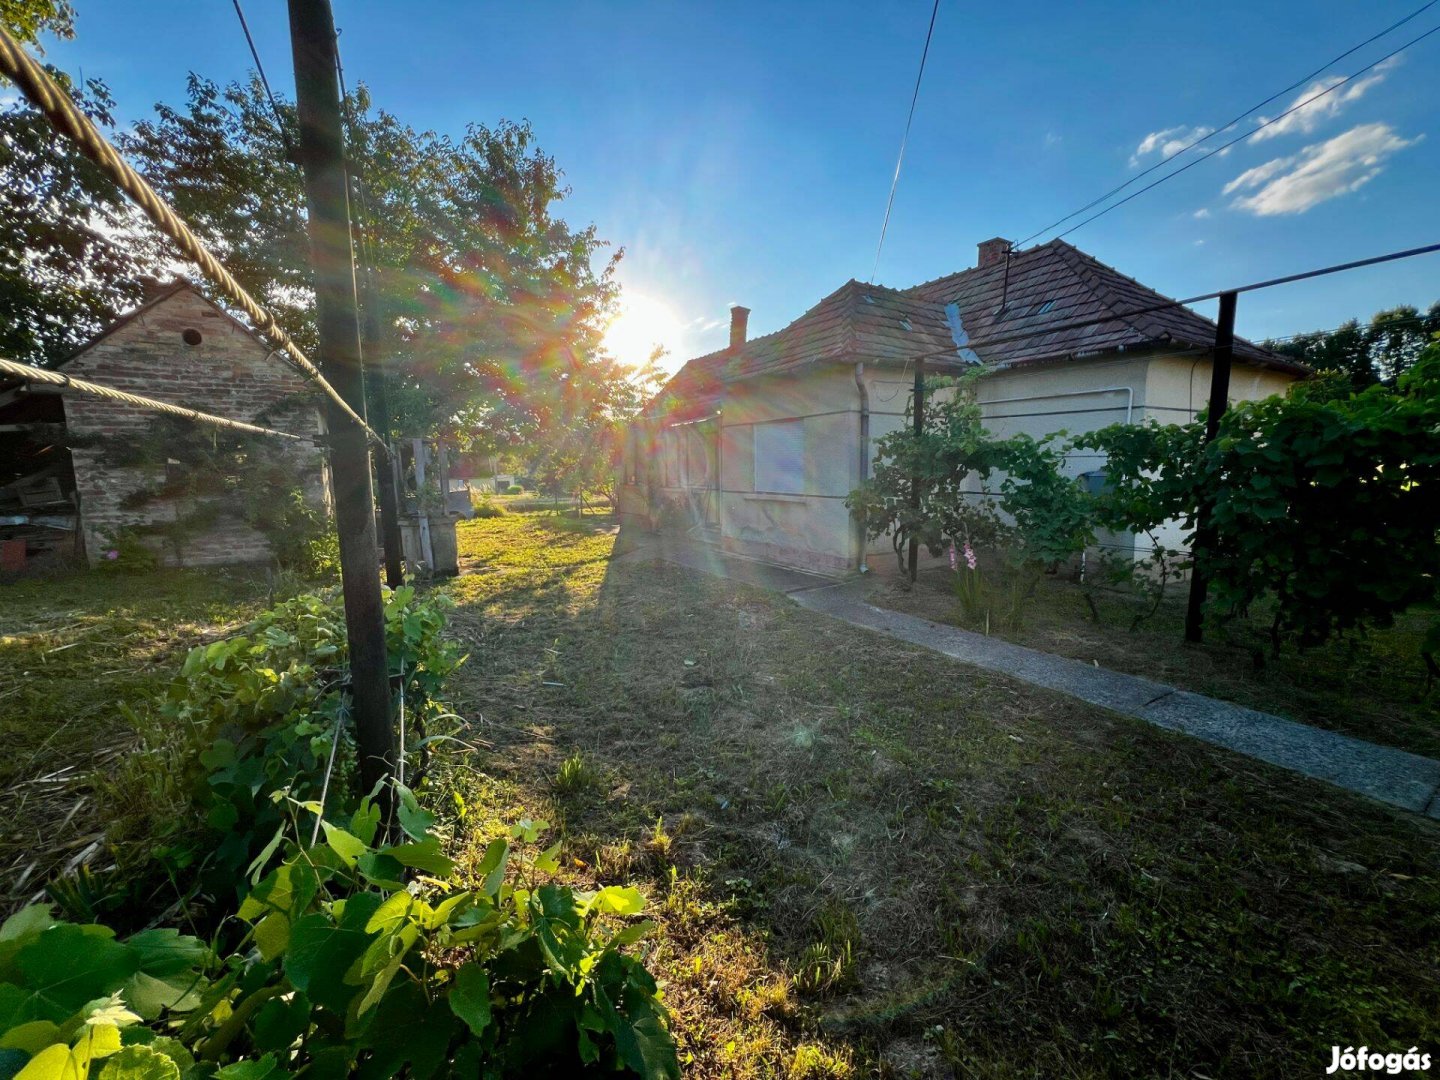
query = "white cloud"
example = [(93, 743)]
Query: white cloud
[(1052, 139), (1307, 117), (1167, 142), (1321, 171), (1201, 214)]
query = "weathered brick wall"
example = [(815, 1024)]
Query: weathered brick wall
[(229, 373)]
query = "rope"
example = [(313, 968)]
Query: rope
[(52, 101), (65, 382)]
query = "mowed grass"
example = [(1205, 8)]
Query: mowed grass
[(1373, 686), (75, 650), (865, 859)]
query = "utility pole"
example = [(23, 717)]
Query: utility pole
[(1221, 360), (919, 410), (322, 160)]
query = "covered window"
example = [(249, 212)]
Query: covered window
[(780, 457)]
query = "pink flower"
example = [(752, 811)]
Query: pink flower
[(112, 554), (954, 563), (969, 555)]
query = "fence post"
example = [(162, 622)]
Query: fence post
[(1204, 542), (919, 401), (317, 99)]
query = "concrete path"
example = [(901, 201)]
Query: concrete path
[(1393, 776)]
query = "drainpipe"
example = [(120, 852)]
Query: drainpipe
[(864, 461)]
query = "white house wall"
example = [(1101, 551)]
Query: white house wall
[(812, 527)]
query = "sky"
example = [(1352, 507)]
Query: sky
[(742, 153)]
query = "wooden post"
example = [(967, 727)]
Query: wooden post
[(378, 381), (422, 514), (919, 402), (1221, 359), (317, 98)]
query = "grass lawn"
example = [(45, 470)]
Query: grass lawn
[(863, 855), (863, 859), (74, 649), (1371, 686)]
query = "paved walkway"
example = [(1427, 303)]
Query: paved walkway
[(1381, 772)]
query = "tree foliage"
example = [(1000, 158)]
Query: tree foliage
[(1379, 351), (28, 19), (490, 308), (71, 251)]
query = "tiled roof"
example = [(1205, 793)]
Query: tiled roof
[(857, 321), (1053, 285), (1071, 287)]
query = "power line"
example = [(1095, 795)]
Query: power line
[(909, 119), (65, 382), (1230, 123), (46, 95), (270, 96), (1241, 138)]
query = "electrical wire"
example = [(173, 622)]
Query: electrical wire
[(1232, 122), (65, 382), (1165, 305), (41, 90), (904, 139), (1241, 138), (290, 151)]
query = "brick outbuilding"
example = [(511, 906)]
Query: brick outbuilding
[(179, 346)]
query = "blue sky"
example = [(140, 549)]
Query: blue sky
[(742, 153)]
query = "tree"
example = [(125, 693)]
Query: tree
[(27, 19), (72, 251), (578, 452), (491, 310), (1380, 351)]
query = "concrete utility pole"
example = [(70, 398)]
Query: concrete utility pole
[(322, 158), (1221, 360)]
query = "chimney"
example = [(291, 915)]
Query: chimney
[(993, 252), (739, 321), (151, 287)]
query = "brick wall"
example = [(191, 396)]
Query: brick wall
[(228, 372)]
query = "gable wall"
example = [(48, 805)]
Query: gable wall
[(229, 373)]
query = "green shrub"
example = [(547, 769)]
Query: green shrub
[(339, 946), (345, 970), (515, 489), (485, 507), (249, 715)]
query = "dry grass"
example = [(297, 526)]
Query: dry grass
[(864, 857), (1371, 686)]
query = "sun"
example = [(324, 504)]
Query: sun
[(642, 323)]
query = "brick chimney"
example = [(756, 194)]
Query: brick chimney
[(739, 321), (993, 252), (151, 287)]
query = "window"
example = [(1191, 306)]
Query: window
[(780, 457)]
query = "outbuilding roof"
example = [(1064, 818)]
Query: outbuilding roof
[(1021, 314)]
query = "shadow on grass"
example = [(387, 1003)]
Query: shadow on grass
[(861, 854)]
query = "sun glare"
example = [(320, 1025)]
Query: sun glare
[(643, 323)]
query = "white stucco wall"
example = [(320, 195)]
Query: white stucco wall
[(812, 528)]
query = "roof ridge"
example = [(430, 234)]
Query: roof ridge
[(1086, 274)]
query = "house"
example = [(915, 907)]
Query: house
[(179, 347), (755, 447)]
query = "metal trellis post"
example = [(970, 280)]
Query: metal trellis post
[(1204, 540)]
